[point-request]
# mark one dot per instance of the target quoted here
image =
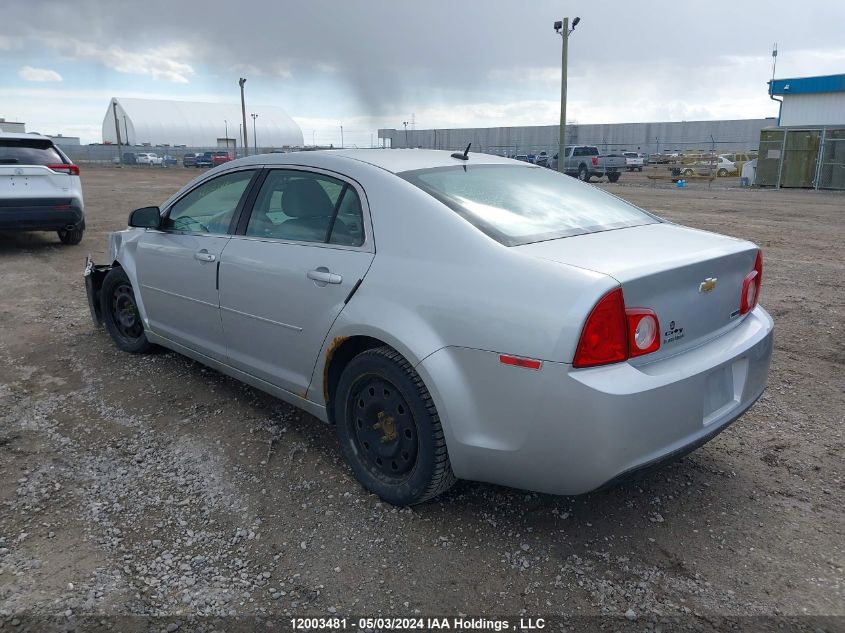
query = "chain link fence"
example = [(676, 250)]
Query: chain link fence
[(122, 154), (802, 158)]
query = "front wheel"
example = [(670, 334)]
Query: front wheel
[(722, 173), (389, 430), (120, 313), (613, 176), (71, 236), (688, 172)]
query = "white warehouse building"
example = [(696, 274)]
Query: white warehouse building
[(196, 124)]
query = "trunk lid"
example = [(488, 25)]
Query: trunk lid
[(692, 279)]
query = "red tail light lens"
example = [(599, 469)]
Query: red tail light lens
[(595, 160), (72, 170), (643, 331), (604, 338), (751, 286), (613, 334)]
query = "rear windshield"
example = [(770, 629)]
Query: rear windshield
[(516, 204), (26, 151)]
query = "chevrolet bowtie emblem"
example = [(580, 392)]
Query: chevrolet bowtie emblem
[(708, 284)]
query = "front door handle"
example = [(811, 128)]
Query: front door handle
[(205, 256), (321, 276)]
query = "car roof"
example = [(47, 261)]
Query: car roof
[(391, 160), (25, 136)]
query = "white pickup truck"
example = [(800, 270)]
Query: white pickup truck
[(633, 161), (585, 161)]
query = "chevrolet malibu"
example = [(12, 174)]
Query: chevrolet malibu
[(452, 315)]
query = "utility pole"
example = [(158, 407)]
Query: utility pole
[(254, 135), (563, 30), (241, 83), (226, 123), (405, 123), (117, 131), (341, 136)]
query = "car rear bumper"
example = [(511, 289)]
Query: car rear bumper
[(46, 214), (565, 431)]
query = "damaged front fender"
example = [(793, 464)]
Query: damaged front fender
[(94, 275)]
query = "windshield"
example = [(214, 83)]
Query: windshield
[(516, 204)]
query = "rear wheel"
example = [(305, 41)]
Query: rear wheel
[(688, 172), (120, 313), (722, 173), (389, 430), (71, 236), (583, 174), (613, 176)]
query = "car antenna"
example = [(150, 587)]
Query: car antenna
[(464, 156)]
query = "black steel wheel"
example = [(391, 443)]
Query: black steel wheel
[(583, 174), (120, 312), (389, 430)]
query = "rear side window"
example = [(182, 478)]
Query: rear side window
[(517, 204), (25, 151), (307, 207)]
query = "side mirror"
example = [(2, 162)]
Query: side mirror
[(145, 218)]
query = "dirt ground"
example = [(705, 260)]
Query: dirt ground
[(149, 485)]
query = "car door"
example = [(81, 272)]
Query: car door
[(285, 276), (177, 265)]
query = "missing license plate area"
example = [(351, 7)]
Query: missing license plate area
[(719, 393)]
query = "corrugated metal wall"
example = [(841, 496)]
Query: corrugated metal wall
[(735, 135), (827, 108)]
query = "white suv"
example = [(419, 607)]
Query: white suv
[(40, 189), (149, 158)]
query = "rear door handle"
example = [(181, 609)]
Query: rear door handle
[(322, 276), (205, 256)]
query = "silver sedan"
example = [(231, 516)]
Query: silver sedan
[(452, 315)]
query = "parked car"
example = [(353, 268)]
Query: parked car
[(169, 161), (633, 161), (40, 188), (718, 166), (130, 158), (149, 158), (189, 159), (522, 157), (204, 160), (453, 317), (542, 159), (585, 162), (218, 158)]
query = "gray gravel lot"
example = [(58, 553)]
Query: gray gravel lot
[(150, 485)]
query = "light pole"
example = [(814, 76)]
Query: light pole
[(254, 135), (562, 29), (241, 83), (314, 138), (341, 135), (226, 123), (405, 123)]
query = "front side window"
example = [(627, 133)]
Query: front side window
[(307, 207), (517, 204), (210, 207)]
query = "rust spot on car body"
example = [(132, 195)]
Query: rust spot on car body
[(330, 350)]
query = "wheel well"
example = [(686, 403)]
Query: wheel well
[(339, 353)]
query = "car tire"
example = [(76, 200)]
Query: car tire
[(389, 430), (688, 172), (120, 313), (613, 177), (583, 174), (722, 173), (71, 237), (639, 169)]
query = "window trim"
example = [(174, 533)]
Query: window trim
[(368, 246), (233, 223)]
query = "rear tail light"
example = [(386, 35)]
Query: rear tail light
[(643, 331), (751, 286), (604, 338), (613, 334), (72, 170), (595, 160)]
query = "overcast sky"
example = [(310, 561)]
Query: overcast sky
[(377, 63)]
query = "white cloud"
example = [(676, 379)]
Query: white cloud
[(161, 62), (28, 73)]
